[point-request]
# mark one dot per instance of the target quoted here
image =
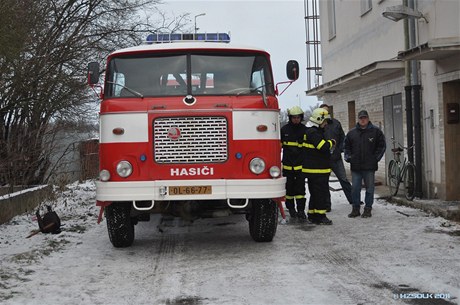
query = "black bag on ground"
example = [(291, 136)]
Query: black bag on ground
[(50, 223)]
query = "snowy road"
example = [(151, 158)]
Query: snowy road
[(398, 253)]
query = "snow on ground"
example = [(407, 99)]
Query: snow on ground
[(397, 252)]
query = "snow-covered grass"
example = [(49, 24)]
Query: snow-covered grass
[(75, 206)]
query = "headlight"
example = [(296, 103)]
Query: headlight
[(104, 175), (124, 169), (275, 171), (257, 166)]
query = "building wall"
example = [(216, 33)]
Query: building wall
[(443, 19), (438, 190), (432, 127), (360, 40), (369, 98), (66, 157)]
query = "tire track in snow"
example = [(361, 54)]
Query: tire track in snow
[(355, 282), (169, 265)]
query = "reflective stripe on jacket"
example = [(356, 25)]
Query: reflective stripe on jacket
[(291, 140), (316, 152)]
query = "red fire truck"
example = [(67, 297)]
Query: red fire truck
[(189, 126)]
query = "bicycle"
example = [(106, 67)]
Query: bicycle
[(401, 172)]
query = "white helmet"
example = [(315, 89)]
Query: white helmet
[(319, 115), (296, 110)]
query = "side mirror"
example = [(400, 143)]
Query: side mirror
[(292, 70), (93, 73)]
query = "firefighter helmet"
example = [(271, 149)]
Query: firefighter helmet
[(319, 115), (296, 110)]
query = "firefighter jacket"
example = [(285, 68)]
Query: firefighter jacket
[(291, 140), (364, 147), (316, 151), (334, 130)]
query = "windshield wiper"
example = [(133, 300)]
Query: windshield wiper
[(129, 89), (249, 90)]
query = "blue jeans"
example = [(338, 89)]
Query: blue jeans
[(339, 170), (356, 178)]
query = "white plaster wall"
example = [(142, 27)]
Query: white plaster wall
[(431, 135), (443, 19), (360, 40)]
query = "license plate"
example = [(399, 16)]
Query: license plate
[(190, 190)]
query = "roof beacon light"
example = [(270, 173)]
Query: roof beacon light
[(172, 37)]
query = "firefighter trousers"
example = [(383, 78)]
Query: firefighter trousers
[(295, 189), (318, 186)]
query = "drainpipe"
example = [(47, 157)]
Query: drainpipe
[(418, 141), (409, 122), (417, 106), (408, 91)]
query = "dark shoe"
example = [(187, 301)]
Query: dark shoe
[(354, 213), (323, 221), (301, 215), (292, 213), (367, 212)]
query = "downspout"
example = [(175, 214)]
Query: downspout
[(408, 92), (417, 106), (409, 121)]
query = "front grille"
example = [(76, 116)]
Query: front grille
[(201, 140)]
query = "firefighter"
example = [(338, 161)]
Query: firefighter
[(317, 166), (291, 139)]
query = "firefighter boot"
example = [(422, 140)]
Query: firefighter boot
[(355, 212), (367, 212), (301, 209), (291, 208), (312, 217), (323, 220)]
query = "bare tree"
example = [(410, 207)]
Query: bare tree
[(44, 49)]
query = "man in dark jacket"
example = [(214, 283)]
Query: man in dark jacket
[(334, 130), (364, 147), (317, 166), (291, 139)]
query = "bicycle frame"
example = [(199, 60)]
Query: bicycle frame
[(399, 171)]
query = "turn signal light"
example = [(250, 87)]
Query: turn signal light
[(118, 131), (262, 128)]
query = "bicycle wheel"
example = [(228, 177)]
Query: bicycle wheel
[(393, 177), (409, 181)]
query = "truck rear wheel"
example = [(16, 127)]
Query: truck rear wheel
[(263, 220), (119, 224)]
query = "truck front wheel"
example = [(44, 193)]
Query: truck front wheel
[(263, 220), (119, 224)]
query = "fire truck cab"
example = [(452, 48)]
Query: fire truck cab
[(189, 126)]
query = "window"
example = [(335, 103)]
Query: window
[(182, 74), (366, 6), (331, 18)]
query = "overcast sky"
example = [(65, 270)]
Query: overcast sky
[(276, 26)]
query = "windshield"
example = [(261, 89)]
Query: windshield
[(169, 75)]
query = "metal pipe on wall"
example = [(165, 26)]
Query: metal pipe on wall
[(416, 87)]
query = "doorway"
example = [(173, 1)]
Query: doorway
[(393, 127), (451, 94)]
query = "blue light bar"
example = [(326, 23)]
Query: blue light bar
[(210, 37)]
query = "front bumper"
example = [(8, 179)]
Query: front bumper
[(221, 189)]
